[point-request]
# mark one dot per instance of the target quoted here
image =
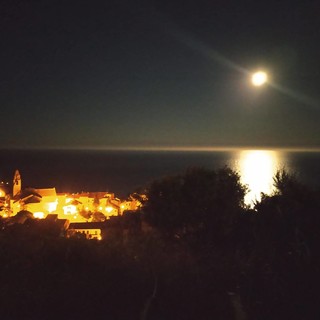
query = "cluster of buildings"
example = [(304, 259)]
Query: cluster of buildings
[(81, 210)]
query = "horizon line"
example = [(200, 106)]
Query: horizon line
[(163, 148)]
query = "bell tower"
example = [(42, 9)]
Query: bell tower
[(16, 183)]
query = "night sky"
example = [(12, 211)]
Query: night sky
[(101, 74)]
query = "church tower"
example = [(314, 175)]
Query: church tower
[(16, 183)]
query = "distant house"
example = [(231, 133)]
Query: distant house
[(90, 230), (76, 207), (49, 199), (25, 199), (103, 202), (38, 201), (4, 198)]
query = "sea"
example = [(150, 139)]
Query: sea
[(123, 172)]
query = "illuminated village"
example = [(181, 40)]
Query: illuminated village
[(77, 213)]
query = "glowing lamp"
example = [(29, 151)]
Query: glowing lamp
[(38, 215), (109, 209)]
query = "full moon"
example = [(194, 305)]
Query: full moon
[(259, 78)]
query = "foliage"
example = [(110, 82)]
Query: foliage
[(264, 263), (281, 265), (287, 184), (200, 200), (53, 277)]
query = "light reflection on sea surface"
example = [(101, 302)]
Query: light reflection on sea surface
[(123, 172), (257, 169)]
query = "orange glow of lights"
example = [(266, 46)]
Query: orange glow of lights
[(109, 209), (38, 215), (52, 206), (70, 209)]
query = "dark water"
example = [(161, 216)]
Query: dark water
[(122, 172)]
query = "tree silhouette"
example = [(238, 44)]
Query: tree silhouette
[(281, 266), (200, 201)]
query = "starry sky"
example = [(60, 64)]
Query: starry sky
[(120, 73)]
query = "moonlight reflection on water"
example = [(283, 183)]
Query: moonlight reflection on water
[(257, 169)]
